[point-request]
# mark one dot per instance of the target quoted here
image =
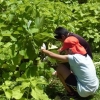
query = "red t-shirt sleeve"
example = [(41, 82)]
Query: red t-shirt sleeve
[(69, 42)]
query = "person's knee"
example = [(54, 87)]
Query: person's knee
[(59, 67), (62, 69)]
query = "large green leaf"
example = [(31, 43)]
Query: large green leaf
[(33, 30), (40, 38), (17, 93), (17, 59), (22, 52), (25, 85), (13, 38), (23, 66), (2, 25), (38, 94), (6, 33), (34, 94), (8, 94), (39, 22), (31, 72), (7, 44), (31, 50)]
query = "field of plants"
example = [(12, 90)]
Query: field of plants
[(24, 26)]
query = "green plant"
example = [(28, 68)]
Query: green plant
[(24, 26), (54, 88), (96, 57)]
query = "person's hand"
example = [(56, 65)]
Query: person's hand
[(43, 47)]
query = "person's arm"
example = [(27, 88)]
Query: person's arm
[(63, 58)]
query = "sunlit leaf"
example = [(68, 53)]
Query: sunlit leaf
[(22, 52), (6, 33), (13, 38), (25, 84), (8, 83), (17, 93), (33, 30), (8, 44), (34, 94), (8, 94)]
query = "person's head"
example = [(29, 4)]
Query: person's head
[(61, 33)]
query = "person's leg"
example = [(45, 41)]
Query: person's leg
[(71, 82), (65, 64), (64, 84), (63, 72)]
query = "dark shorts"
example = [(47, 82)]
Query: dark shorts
[(71, 82)]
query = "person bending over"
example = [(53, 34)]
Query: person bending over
[(81, 77), (61, 34)]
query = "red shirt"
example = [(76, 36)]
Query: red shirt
[(73, 43)]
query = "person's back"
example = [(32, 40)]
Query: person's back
[(84, 70), (61, 32), (83, 43)]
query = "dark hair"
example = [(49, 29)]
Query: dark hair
[(60, 31)]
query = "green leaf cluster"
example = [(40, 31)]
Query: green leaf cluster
[(24, 26)]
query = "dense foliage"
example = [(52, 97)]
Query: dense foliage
[(24, 26)]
